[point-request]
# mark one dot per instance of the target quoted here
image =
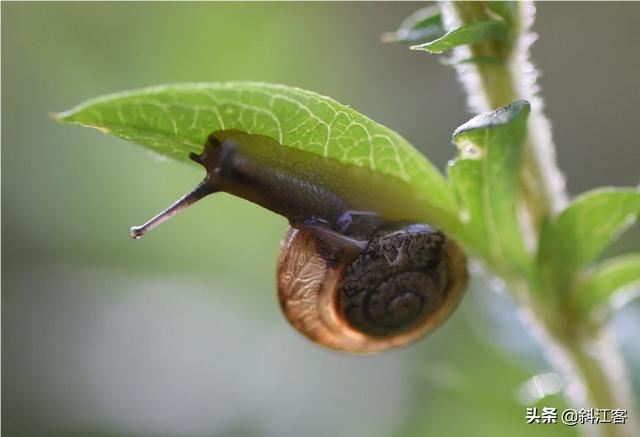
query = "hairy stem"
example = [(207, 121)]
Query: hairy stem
[(591, 366), (595, 374), (491, 85), (587, 358)]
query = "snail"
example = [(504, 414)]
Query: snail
[(355, 272)]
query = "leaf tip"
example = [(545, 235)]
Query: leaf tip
[(425, 48), (56, 116), (67, 118), (62, 117), (499, 117)]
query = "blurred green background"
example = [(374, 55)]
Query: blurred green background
[(180, 334)]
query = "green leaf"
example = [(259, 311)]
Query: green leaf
[(469, 34), (485, 181), (423, 25), (606, 282), (175, 120), (580, 233)]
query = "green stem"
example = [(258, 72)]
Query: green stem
[(491, 85), (592, 368), (588, 360), (595, 374)]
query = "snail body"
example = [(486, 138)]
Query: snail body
[(355, 272)]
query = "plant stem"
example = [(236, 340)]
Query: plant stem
[(595, 374), (491, 85), (591, 366), (587, 358)]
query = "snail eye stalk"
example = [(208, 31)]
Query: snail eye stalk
[(203, 189), (217, 158)]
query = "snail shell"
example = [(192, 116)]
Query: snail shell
[(405, 282)]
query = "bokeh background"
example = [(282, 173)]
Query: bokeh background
[(180, 334)]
